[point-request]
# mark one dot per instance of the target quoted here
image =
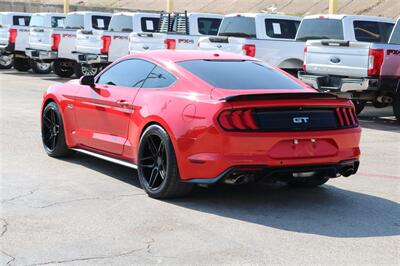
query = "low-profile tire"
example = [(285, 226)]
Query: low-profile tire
[(22, 64), (63, 68), (157, 166), (53, 136), (40, 67), (6, 61), (396, 106), (85, 70), (359, 105), (308, 181)]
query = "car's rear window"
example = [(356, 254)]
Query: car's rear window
[(395, 37), (21, 20), (372, 31), (208, 26), (57, 22), (239, 74), (281, 28), (320, 28), (150, 24), (238, 26), (100, 22), (74, 21)]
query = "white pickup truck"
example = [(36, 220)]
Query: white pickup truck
[(364, 68), (41, 26), (98, 48), (268, 37), (61, 42), (179, 31), (14, 32)]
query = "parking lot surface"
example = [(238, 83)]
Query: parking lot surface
[(81, 210)]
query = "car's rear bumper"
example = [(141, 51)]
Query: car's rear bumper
[(41, 54), (85, 58), (337, 84)]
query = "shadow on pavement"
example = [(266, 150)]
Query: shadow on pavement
[(327, 211), (49, 77), (379, 119)]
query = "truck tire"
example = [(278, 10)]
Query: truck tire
[(22, 64), (396, 106), (85, 70), (63, 68), (6, 61), (359, 105), (40, 68)]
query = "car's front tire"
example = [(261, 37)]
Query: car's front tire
[(40, 67), (305, 182), (157, 166), (53, 135)]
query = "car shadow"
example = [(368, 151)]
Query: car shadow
[(379, 119), (48, 77), (327, 210)]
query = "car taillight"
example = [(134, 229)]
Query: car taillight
[(249, 50), (375, 61), (347, 117), (237, 120), (170, 44), (56, 41), (304, 63), (12, 36), (106, 44)]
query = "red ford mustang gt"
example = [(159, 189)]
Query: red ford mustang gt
[(195, 117)]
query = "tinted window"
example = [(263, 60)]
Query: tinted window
[(100, 22), (128, 73), (320, 28), (37, 21), (21, 20), (395, 38), (280, 28), (150, 24), (239, 75), (57, 22), (159, 78), (208, 26), (121, 23), (371, 31), (74, 21), (238, 26)]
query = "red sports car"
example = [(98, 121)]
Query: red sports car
[(198, 117)]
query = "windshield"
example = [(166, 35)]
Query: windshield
[(239, 74), (320, 28), (238, 27), (37, 21), (74, 21)]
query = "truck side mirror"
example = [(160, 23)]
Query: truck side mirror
[(87, 80)]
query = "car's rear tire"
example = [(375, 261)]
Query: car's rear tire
[(6, 61), (63, 68), (85, 70), (53, 136), (157, 166), (40, 67), (396, 106), (22, 64), (305, 182), (359, 105)]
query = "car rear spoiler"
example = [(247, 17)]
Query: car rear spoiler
[(279, 96)]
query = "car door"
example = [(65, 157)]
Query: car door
[(103, 112)]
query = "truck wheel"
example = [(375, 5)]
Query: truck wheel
[(6, 61), (21, 64), (40, 68), (85, 70), (396, 106), (63, 68), (359, 105)]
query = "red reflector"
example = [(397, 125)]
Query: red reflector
[(375, 61), (170, 44), (249, 49), (106, 44), (56, 41), (12, 36)]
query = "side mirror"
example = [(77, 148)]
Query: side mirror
[(87, 80)]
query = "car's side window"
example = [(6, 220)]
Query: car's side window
[(159, 78), (127, 73)]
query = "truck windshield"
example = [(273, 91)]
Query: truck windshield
[(121, 23), (395, 37), (239, 74), (320, 28), (37, 21), (74, 21), (238, 26)]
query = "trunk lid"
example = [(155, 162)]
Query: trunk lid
[(89, 41), (40, 38), (139, 42)]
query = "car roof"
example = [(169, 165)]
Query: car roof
[(167, 56)]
